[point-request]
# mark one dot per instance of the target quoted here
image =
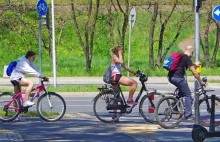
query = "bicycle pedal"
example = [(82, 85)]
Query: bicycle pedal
[(127, 106)]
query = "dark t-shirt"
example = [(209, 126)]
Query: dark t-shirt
[(184, 63)]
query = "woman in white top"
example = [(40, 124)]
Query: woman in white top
[(25, 66), (116, 64)]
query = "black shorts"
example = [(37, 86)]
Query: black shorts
[(15, 82), (115, 78)]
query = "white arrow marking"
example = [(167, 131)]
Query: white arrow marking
[(217, 12)]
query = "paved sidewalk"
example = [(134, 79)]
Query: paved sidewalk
[(154, 80), (10, 135)]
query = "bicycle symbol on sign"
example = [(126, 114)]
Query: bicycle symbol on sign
[(42, 7)]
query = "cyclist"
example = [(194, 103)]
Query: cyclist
[(25, 66), (116, 64), (177, 78)]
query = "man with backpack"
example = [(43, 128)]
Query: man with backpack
[(176, 77), (25, 66)]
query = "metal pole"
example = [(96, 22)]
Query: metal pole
[(129, 45), (40, 45), (54, 47), (197, 57), (212, 118)]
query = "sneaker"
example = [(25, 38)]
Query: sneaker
[(132, 102), (28, 103), (190, 117)]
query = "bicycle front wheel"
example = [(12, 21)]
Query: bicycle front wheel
[(103, 107), (51, 107), (11, 111), (146, 109), (205, 113), (169, 112)]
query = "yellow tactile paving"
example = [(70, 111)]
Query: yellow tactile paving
[(140, 129)]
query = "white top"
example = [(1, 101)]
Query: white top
[(116, 68), (23, 67)]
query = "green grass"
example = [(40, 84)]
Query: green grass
[(70, 56)]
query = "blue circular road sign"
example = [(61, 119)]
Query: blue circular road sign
[(42, 7), (216, 13)]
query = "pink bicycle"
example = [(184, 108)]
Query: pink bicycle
[(50, 106)]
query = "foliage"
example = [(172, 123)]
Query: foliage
[(17, 37)]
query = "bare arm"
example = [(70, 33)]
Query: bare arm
[(117, 60), (196, 75), (128, 69)]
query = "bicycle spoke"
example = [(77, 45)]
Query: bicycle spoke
[(10, 112), (51, 107), (104, 107), (168, 114)]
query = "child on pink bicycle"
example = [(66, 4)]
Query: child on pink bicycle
[(25, 66)]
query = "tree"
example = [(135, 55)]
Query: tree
[(151, 36), (88, 30), (125, 12), (210, 58)]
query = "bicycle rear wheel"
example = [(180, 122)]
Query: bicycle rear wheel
[(169, 112), (101, 107), (11, 112), (146, 109), (205, 113), (51, 107)]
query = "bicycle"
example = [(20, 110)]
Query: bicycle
[(50, 106), (170, 109), (109, 105)]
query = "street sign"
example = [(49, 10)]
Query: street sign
[(41, 7), (216, 13), (132, 16)]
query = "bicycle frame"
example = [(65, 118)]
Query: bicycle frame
[(143, 88), (200, 91), (19, 95)]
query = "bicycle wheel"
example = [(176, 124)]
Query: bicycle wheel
[(205, 113), (11, 112), (146, 109), (169, 112), (51, 107), (101, 107)]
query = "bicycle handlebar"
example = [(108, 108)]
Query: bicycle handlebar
[(142, 76)]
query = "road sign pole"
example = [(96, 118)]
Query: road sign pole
[(132, 18), (54, 46), (42, 10), (40, 44), (129, 46), (197, 5)]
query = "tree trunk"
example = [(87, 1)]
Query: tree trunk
[(161, 36), (206, 39), (151, 39), (122, 32), (109, 6), (89, 31), (217, 43)]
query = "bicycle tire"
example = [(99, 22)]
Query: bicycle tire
[(146, 110), (104, 115), (205, 118), (47, 106), (167, 121), (11, 114)]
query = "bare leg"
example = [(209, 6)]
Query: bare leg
[(29, 84), (126, 81)]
